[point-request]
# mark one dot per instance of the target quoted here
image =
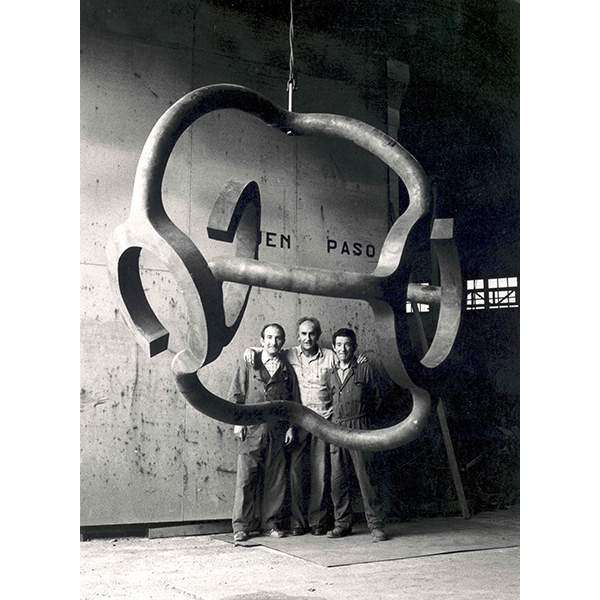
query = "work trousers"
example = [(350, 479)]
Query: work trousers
[(260, 466), (343, 461), (310, 455)]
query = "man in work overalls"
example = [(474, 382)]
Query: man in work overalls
[(354, 395), (261, 455)]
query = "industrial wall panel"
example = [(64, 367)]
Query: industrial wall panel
[(167, 23), (132, 418), (125, 87)]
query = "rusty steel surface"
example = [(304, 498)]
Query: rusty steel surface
[(216, 291)]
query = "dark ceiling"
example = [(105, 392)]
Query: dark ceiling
[(485, 33)]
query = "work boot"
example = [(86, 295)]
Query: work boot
[(378, 535), (276, 533), (338, 532), (240, 536)]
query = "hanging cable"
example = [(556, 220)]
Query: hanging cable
[(291, 83)]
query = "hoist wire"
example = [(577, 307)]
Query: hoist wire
[(291, 83), (291, 38)]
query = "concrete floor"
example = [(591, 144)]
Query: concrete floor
[(202, 568)]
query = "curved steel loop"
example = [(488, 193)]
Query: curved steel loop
[(249, 414), (235, 218), (445, 254), (215, 316), (149, 227), (201, 291)]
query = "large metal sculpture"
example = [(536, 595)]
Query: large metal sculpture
[(216, 291)]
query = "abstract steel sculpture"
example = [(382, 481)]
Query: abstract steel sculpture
[(216, 292)]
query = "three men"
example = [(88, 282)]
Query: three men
[(330, 383), (261, 455)]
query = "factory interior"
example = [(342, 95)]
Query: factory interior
[(246, 167)]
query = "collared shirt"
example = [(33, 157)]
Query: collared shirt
[(343, 372), (310, 372), (271, 362)]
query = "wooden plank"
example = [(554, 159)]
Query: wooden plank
[(460, 492), (441, 414), (205, 528)]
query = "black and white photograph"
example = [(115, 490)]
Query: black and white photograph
[(300, 295)]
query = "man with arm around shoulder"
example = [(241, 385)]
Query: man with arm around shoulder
[(354, 396)]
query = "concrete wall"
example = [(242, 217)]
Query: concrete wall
[(145, 455)]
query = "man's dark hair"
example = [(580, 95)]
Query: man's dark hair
[(262, 331), (314, 321), (344, 332)]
